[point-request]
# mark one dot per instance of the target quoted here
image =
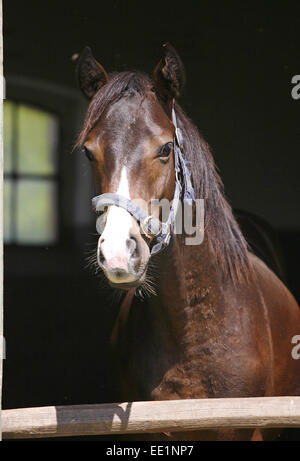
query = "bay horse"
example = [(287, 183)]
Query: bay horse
[(221, 323)]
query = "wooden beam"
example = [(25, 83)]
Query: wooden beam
[(150, 417)]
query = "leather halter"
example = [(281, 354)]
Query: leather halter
[(152, 227)]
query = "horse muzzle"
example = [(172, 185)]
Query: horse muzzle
[(123, 262)]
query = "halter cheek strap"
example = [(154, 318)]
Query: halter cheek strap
[(181, 164), (161, 231)]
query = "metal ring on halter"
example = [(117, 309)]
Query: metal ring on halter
[(148, 224)]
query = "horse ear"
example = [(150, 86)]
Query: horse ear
[(169, 74), (90, 74)]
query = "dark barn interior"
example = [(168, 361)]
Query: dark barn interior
[(239, 62)]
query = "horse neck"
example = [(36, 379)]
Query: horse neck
[(189, 290)]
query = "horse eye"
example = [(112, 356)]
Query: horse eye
[(165, 150), (89, 154)]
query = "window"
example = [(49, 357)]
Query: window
[(30, 175)]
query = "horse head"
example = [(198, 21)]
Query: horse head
[(128, 136)]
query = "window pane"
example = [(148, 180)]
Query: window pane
[(7, 201), (37, 141), (8, 113), (36, 212)]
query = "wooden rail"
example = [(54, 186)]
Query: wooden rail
[(150, 417)]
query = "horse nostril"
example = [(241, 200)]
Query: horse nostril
[(133, 247), (101, 258)]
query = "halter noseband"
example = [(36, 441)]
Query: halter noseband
[(152, 227)]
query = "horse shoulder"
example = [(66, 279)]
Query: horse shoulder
[(283, 317)]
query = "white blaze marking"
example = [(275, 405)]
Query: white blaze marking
[(123, 188), (118, 219), (117, 229)]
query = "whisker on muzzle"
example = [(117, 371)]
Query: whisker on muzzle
[(146, 289)]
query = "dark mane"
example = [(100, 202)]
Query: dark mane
[(225, 238), (221, 228)]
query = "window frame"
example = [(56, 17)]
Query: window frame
[(68, 106), (55, 177)]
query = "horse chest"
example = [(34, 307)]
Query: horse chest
[(151, 361), (207, 362)]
